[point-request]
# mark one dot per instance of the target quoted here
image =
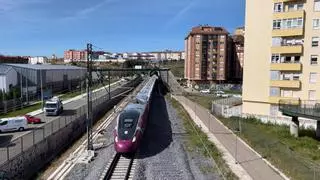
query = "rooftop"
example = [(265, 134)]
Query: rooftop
[(45, 66), (208, 30), (4, 69)]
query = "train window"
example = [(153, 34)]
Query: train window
[(128, 123)]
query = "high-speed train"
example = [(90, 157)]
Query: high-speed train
[(132, 121)]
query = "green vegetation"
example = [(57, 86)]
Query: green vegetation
[(199, 142), (203, 100), (296, 157), (232, 92), (299, 158), (176, 67), (22, 111)]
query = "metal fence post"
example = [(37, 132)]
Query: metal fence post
[(21, 141)]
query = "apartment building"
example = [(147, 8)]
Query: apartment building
[(206, 55), (75, 55), (237, 54), (281, 54), (168, 55)]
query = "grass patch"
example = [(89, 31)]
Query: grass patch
[(198, 141), (22, 111), (232, 92), (204, 101), (176, 67)]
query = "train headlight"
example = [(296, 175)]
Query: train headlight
[(116, 139), (134, 139)]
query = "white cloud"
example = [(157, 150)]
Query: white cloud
[(83, 12), (182, 12)]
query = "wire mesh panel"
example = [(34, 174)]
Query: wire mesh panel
[(15, 148), (62, 122), (3, 154), (38, 135), (47, 129), (55, 124), (27, 140)]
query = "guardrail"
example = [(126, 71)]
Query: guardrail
[(304, 108)]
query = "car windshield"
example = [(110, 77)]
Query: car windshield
[(51, 105), (127, 124)]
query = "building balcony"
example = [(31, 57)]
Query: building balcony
[(285, 83), (296, 49), (289, 14), (287, 32), (286, 67), (278, 100)]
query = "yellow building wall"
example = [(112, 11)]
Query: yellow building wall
[(256, 74)]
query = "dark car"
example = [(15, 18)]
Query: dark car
[(32, 119)]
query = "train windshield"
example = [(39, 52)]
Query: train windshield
[(127, 124)]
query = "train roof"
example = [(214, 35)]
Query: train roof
[(134, 107), (145, 92)]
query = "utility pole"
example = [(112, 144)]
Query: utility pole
[(89, 96), (27, 92), (41, 89)]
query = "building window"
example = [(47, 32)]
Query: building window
[(297, 59), (277, 24), (276, 41), (316, 23), (312, 95), (275, 58), (274, 75), (296, 77), (299, 7), (316, 5), (278, 7), (313, 78), (314, 59), (274, 92), (315, 41)]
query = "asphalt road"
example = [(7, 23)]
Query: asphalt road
[(68, 111)]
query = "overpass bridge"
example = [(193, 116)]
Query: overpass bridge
[(301, 108)]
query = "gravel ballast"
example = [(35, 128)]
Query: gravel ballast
[(164, 153)]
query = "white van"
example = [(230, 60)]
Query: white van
[(13, 124)]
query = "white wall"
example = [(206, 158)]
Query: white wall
[(9, 78), (39, 59)]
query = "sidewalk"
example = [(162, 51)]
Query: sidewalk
[(251, 163)]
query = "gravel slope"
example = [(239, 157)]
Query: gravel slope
[(163, 152)]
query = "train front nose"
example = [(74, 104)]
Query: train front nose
[(125, 146)]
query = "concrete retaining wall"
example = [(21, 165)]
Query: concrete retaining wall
[(26, 164)]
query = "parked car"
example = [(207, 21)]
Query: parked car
[(205, 91), (13, 124), (32, 119)]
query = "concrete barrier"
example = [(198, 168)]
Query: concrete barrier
[(24, 162)]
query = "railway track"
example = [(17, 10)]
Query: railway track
[(62, 171), (119, 168)]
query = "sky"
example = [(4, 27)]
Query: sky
[(46, 27)]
